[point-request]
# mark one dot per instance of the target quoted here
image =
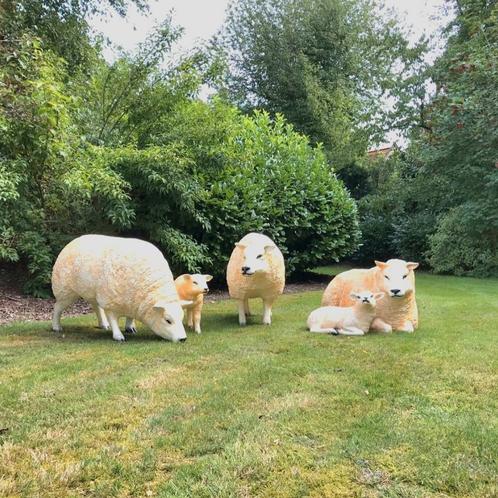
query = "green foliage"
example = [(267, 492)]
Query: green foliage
[(458, 246), (325, 65), (53, 185), (440, 203), (274, 183), (219, 174), (61, 25)]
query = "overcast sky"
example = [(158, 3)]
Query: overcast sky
[(202, 18)]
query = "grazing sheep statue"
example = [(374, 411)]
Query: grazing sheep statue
[(118, 277), (351, 320), (256, 270), (192, 288), (398, 310)]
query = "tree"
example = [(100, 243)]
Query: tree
[(326, 65), (61, 25), (440, 203)]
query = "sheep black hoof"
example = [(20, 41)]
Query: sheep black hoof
[(131, 330)]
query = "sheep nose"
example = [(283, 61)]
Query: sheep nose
[(245, 269), (183, 339), (395, 291)]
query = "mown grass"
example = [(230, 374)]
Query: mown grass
[(258, 411)]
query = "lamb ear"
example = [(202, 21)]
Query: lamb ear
[(185, 302), (269, 248), (412, 266), (380, 264), (187, 277), (208, 278), (379, 296), (241, 246)]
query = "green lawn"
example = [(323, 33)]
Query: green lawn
[(258, 411)]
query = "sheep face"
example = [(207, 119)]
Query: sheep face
[(367, 297), (255, 259), (166, 320), (198, 284), (397, 277)]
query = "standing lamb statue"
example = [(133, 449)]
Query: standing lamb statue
[(256, 269), (396, 278), (118, 277), (192, 288), (351, 320)]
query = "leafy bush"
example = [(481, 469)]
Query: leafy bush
[(219, 174), (458, 246), (274, 182)]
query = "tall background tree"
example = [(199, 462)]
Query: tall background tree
[(329, 66), (439, 200)]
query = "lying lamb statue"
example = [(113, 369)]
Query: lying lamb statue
[(351, 320)]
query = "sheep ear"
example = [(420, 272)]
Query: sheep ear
[(269, 248), (353, 295), (412, 266), (208, 278), (380, 264), (160, 305), (241, 246), (184, 302), (379, 295), (187, 277)]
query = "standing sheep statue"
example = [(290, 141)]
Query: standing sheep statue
[(396, 278), (118, 277), (256, 269)]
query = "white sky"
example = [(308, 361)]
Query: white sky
[(201, 19)]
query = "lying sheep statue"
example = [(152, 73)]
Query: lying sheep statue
[(192, 288), (255, 270), (398, 310), (118, 277), (351, 320)]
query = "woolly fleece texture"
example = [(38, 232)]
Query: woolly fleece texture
[(125, 277), (392, 313), (351, 320), (267, 283), (192, 288)]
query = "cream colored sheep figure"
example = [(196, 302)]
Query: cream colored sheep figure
[(255, 270), (192, 288), (351, 320), (398, 310), (118, 277)]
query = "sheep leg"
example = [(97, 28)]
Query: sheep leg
[(319, 330), (246, 307), (61, 304), (351, 331), (197, 318), (103, 322), (190, 319), (381, 326), (267, 311), (407, 327), (242, 313), (113, 320), (130, 326)]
